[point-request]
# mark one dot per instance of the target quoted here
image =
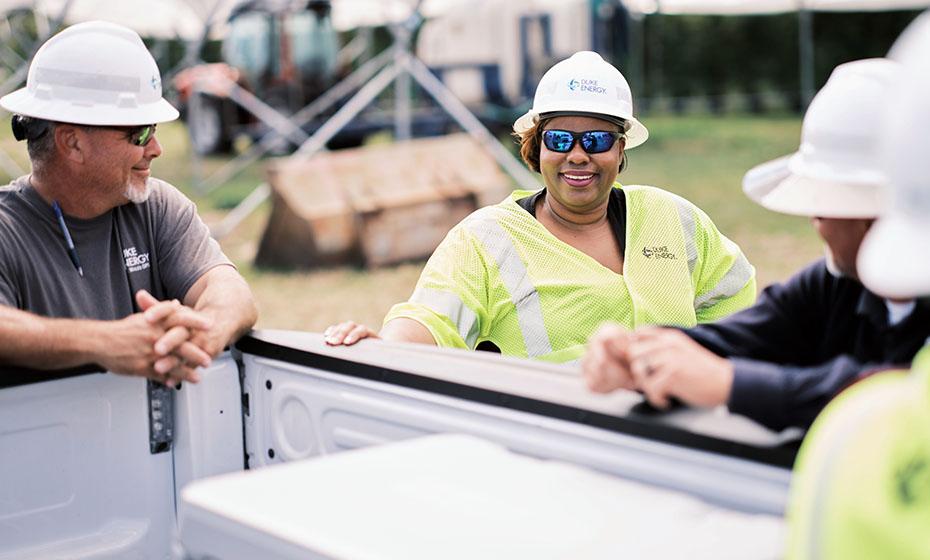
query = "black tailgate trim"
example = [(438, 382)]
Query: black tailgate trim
[(13, 376), (636, 424)]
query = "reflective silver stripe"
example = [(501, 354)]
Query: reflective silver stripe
[(689, 230), (516, 279), (87, 80), (728, 286), (850, 426), (452, 306)]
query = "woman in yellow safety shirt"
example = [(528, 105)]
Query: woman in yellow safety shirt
[(535, 275)]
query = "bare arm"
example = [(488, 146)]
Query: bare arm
[(406, 330), (38, 342), (224, 298), (123, 346)]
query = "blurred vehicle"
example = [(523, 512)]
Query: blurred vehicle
[(284, 53), (489, 54), (492, 54)]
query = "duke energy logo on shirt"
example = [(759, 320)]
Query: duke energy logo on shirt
[(135, 261), (658, 252)]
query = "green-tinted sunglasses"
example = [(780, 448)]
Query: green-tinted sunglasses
[(137, 135)]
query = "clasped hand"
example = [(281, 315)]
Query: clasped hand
[(660, 363), (166, 341)]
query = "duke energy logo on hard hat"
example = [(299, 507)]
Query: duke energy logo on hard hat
[(586, 85)]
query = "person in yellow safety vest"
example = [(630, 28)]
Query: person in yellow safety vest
[(861, 488), (536, 274)]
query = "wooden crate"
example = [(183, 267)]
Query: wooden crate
[(376, 205)]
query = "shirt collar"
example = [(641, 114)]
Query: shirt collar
[(872, 307)]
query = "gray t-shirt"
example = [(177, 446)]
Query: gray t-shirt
[(160, 245)]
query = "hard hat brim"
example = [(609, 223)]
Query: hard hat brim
[(891, 260), (774, 186), (635, 135), (21, 102)]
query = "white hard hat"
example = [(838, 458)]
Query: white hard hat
[(585, 84), (836, 172), (894, 260), (93, 73)]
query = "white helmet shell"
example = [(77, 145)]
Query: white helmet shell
[(894, 260), (836, 172), (93, 73), (585, 83)]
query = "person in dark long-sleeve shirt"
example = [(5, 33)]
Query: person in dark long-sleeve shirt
[(780, 361), (806, 340)]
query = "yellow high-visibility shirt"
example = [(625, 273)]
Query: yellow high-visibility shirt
[(861, 487), (501, 276)]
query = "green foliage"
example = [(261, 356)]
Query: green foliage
[(688, 56), (703, 158)]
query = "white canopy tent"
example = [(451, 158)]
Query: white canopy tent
[(754, 7), (186, 18), (193, 20)]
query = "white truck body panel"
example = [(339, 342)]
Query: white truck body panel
[(78, 480), (457, 497), (309, 411)]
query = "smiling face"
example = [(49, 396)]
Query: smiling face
[(577, 181), (121, 168)]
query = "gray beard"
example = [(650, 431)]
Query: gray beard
[(138, 196)]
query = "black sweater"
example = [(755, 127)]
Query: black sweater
[(806, 340)]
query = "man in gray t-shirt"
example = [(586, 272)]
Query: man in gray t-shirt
[(99, 262), (160, 246)]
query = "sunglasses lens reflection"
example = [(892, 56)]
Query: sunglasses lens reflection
[(598, 141), (592, 141), (143, 135), (560, 141)]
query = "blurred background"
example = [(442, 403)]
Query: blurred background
[(329, 144)]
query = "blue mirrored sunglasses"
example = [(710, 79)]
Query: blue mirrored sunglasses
[(592, 141)]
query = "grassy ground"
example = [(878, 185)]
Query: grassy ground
[(702, 158)]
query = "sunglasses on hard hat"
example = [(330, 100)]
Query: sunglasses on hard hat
[(592, 141), (137, 135)]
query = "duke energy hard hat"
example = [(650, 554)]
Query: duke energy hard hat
[(836, 172), (894, 260), (93, 73), (585, 84)]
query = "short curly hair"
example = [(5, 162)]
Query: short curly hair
[(530, 142)]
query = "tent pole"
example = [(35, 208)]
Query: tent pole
[(468, 121), (328, 99), (806, 55), (402, 103)]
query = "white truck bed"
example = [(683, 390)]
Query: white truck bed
[(455, 496)]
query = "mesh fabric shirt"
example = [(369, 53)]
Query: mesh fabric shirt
[(501, 276), (861, 488)]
